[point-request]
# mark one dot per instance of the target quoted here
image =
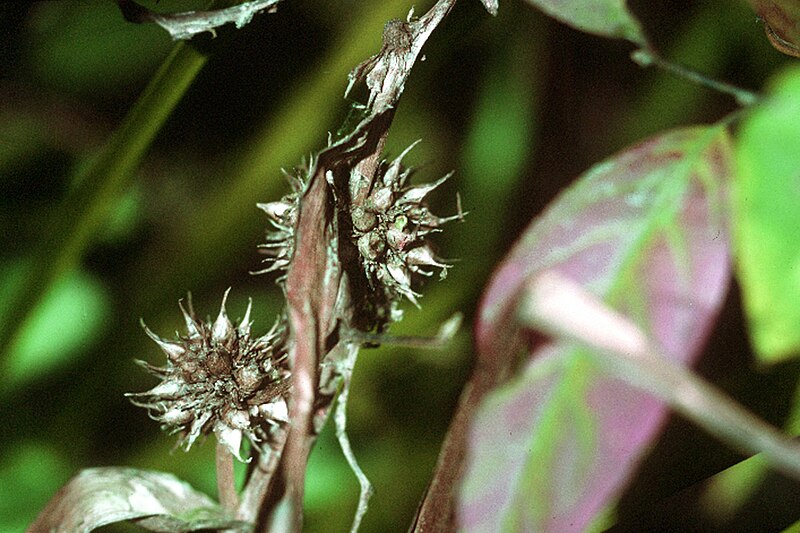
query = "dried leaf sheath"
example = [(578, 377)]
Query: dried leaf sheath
[(311, 293), (315, 271)]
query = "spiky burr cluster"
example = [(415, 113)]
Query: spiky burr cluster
[(218, 378), (282, 214), (390, 224)]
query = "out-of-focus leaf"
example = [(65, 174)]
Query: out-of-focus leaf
[(727, 492), (608, 18), (158, 501), (767, 214), (67, 319), (28, 471), (96, 186), (781, 23), (560, 308), (88, 48), (123, 219), (646, 232)]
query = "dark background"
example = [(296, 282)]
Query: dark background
[(518, 105)]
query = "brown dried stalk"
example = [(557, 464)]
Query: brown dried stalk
[(316, 286)]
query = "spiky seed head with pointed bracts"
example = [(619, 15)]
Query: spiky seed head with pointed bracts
[(391, 229), (282, 214), (220, 379), (389, 223)]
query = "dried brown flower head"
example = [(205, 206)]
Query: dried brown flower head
[(391, 229), (218, 378)]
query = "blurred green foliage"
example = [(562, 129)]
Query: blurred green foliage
[(517, 105), (767, 211), (61, 327)]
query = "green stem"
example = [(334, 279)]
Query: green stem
[(647, 58), (97, 185)]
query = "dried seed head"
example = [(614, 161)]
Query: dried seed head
[(219, 379), (392, 241), (282, 214), (371, 245), (363, 220)]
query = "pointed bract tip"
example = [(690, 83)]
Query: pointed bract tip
[(222, 325), (491, 6), (172, 350), (416, 194), (424, 256), (244, 325), (230, 438), (275, 210), (191, 324)]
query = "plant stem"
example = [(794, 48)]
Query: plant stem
[(562, 309), (97, 185), (226, 482), (647, 58), (340, 418)]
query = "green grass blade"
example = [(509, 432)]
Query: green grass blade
[(97, 184)]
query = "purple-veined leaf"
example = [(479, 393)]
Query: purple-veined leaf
[(646, 232), (565, 311), (157, 501), (608, 18)]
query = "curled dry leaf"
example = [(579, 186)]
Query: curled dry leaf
[(184, 26), (339, 179), (781, 23), (159, 502)]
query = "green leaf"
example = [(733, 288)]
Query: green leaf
[(608, 18), (87, 47), (159, 502), (28, 472), (69, 317), (97, 187), (767, 214)]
